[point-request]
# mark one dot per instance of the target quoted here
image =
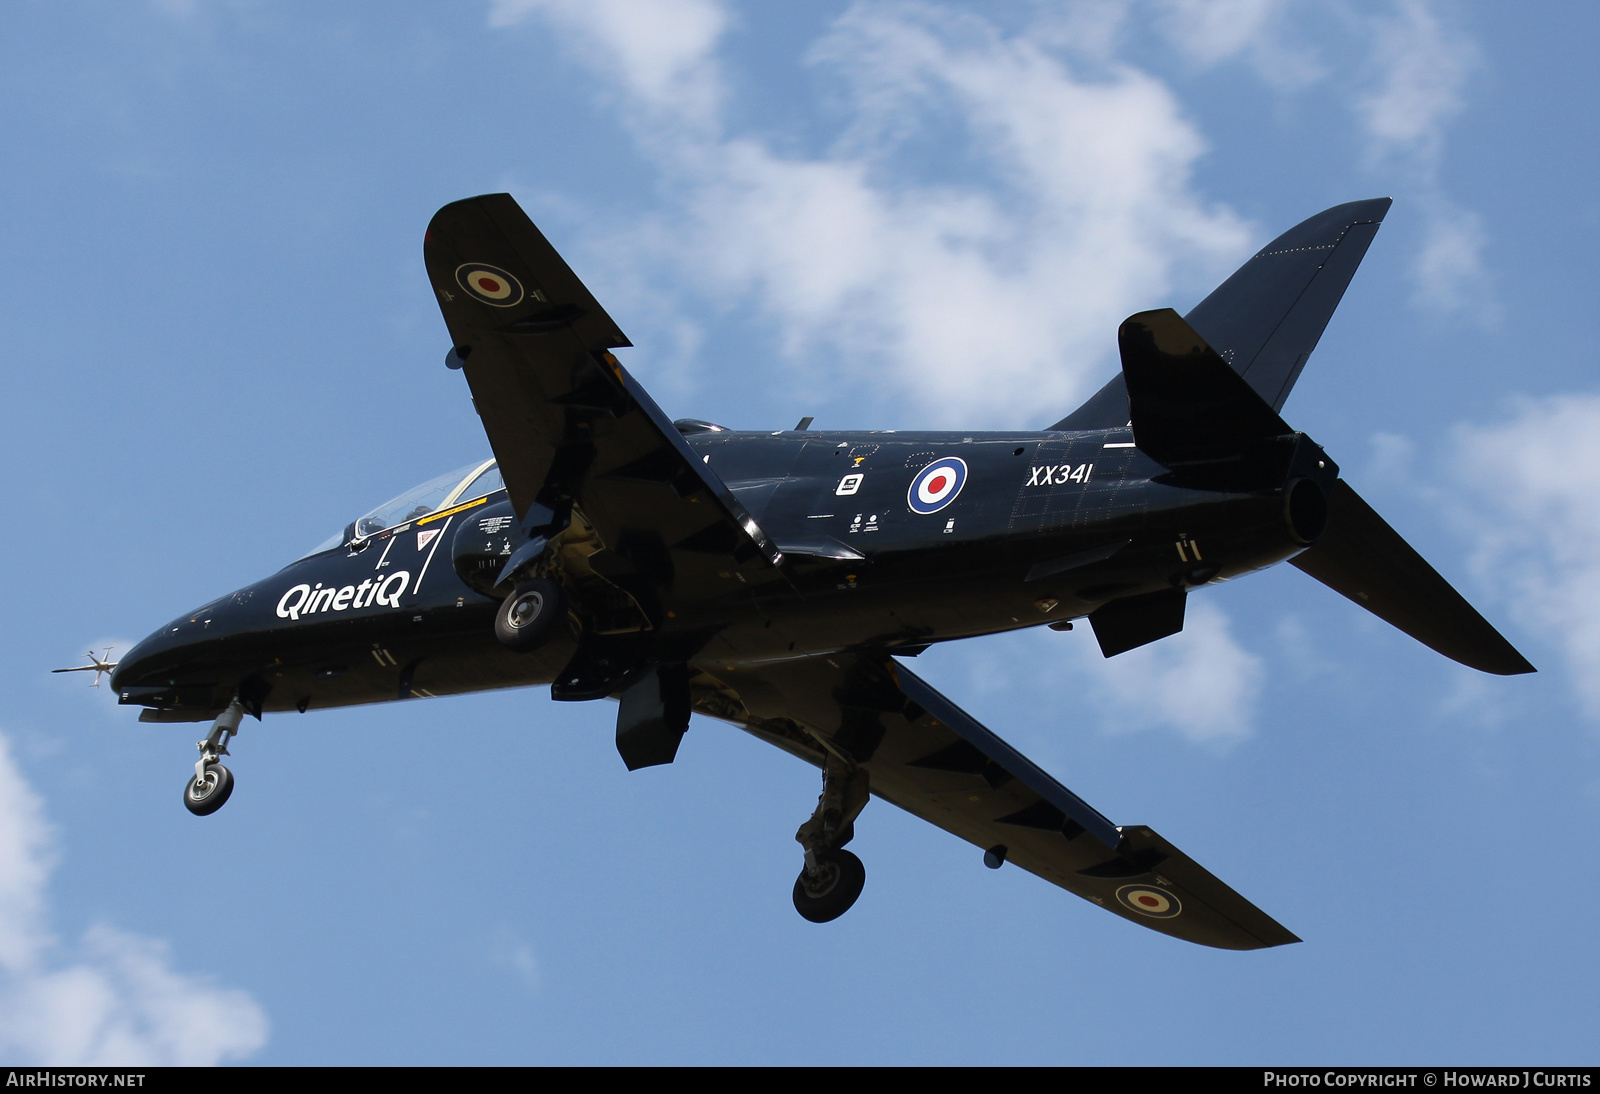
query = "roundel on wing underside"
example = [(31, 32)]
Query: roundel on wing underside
[(1149, 900), (937, 485), (489, 284)]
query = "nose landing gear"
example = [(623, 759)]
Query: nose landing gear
[(211, 784), (833, 877)]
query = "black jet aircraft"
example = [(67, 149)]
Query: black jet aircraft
[(780, 580)]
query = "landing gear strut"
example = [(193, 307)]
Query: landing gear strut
[(833, 877), (211, 784)]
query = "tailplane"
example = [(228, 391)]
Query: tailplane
[(1362, 558), (1191, 412)]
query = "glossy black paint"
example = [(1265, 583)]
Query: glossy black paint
[(406, 613), (777, 580)]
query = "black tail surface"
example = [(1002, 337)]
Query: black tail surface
[(1267, 318), (1364, 559)]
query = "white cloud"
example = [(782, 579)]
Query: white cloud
[(1201, 682), (658, 49), (989, 302), (1415, 70), (1209, 32), (1422, 66), (25, 864), (513, 953), (1448, 270), (1532, 485), (119, 1002), (1214, 30)]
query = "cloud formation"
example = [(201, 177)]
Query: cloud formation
[(1532, 485), (1210, 32), (1405, 82), (1200, 683), (1420, 68), (119, 1001), (988, 302)]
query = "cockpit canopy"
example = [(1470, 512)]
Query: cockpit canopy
[(462, 484)]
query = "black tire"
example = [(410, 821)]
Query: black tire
[(203, 799), (529, 615), (830, 895)]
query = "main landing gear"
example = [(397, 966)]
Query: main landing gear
[(211, 784), (833, 877)]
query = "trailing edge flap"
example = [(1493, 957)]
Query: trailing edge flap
[(567, 423), (1360, 557), (934, 760), (1185, 403), (1267, 318)]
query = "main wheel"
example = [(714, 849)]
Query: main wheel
[(830, 894), (527, 616), (204, 798)]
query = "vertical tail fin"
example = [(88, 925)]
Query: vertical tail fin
[(1267, 318)]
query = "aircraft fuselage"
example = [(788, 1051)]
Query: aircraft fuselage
[(892, 540)]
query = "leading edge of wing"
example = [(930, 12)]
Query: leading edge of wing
[(934, 760), (561, 414), (1017, 765)]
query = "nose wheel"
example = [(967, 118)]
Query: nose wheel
[(211, 784), (204, 797)]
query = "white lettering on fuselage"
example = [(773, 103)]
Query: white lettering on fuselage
[(301, 600), (1060, 476)]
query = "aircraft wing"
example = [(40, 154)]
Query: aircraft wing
[(935, 761), (568, 424)]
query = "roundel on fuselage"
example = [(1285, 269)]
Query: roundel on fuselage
[(937, 485)]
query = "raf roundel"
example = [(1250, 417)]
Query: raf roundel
[(937, 485), (1150, 901), (490, 284)]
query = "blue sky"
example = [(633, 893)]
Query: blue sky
[(221, 347)]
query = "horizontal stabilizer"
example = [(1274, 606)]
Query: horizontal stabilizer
[(1185, 403), (1362, 558)]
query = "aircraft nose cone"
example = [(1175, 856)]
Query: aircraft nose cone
[(142, 661), (169, 654)]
